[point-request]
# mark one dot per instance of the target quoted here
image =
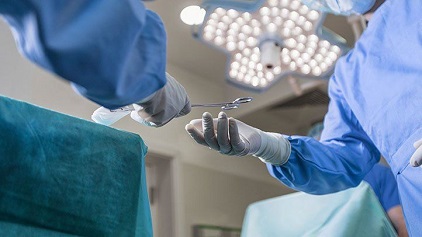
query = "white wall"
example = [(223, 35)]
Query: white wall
[(22, 80)]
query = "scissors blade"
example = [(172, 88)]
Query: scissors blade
[(227, 105)]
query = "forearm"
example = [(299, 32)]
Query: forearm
[(321, 168), (113, 51), (397, 219)]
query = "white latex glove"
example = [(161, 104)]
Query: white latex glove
[(416, 159), (156, 110), (233, 137), (106, 117), (165, 104)]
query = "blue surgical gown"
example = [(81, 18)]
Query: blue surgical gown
[(113, 52), (375, 107)]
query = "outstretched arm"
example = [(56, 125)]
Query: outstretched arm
[(114, 52), (339, 162)]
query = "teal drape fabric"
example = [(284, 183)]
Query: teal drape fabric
[(350, 213), (71, 176)]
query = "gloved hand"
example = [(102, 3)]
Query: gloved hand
[(165, 104), (416, 159), (156, 110), (233, 137)]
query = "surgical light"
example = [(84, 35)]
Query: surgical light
[(193, 15), (267, 40)]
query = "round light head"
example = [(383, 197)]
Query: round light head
[(192, 15)]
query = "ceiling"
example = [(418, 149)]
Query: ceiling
[(187, 53)]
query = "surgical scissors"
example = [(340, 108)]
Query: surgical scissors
[(226, 105)]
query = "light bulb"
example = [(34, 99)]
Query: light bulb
[(235, 65), (303, 9), (307, 26), (222, 26), (284, 13), (241, 45), (300, 47), (284, 3), (313, 15), (238, 56), (272, 27), (323, 67), (256, 31), (265, 20), (232, 13), (293, 66), (301, 39), (233, 73), (240, 76), (273, 3), (294, 15), (231, 46), (255, 57), (247, 52), (251, 41), (252, 64), (336, 49), (255, 81), (306, 69), (295, 5), (278, 20), (291, 43), (286, 59), (193, 15), (316, 71), (264, 11), (246, 16), (263, 82), (208, 36), (313, 63), (277, 70), (259, 67), (219, 40), (275, 11), (226, 19), (220, 11), (269, 76)]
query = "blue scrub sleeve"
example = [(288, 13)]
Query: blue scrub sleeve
[(113, 52), (340, 161), (390, 196), (384, 185)]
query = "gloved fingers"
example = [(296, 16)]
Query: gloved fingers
[(418, 144), (196, 134), (165, 104), (223, 133), (197, 123), (209, 133), (238, 145), (416, 159)]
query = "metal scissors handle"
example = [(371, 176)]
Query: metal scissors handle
[(227, 105)]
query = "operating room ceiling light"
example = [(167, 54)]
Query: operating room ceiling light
[(270, 39), (192, 15)]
